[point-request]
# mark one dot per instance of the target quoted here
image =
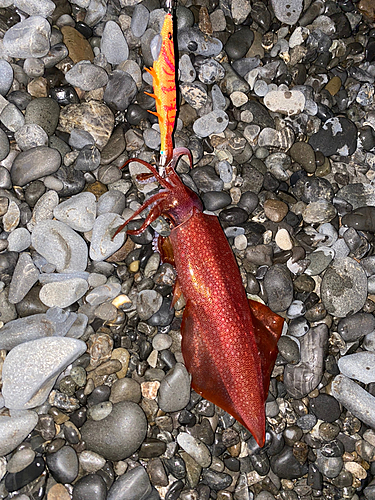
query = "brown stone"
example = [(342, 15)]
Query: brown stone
[(367, 8), (77, 45), (58, 492), (334, 85), (97, 188), (275, 210)]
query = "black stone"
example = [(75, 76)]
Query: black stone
[(90, 487), (17, 480)]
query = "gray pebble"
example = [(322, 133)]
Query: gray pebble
[(42, 8), (212, 123), (210, 72), (354, 327), (120, 90), (28, 38), (15, 428), (90, 486), (80, 138), (354, 398), (63, 464), (78, 212), (87, 76), (24, 277), (148, 303), (319, 260), (20, 460), (329, 466), (225, 171), (33, 164), (6, 77), (31, 369), (30, 136), (214, 200), (140, 18), (133, 485), (11, 218), (117, 436), (287, 12), (63, 293), (218, 98), (195, 448), (112, 201), (88, 159), (344, 287), (359, 366), (102, 244), (113, 43), (194, 94), (187, 70), (12, 117), (279, 288), (174, 391), (43, 208), (4, 146), (152, 138), (100, 411), (103, 293), (19, 240), (91, 461), (44, 112), (302, 378), (60, 245), (192, 40)]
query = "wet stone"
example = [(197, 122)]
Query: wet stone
[(206, 179), (20, 460), (286, 466), (320, 211), (329, 466), (319, 260), (30, 369), (79, 48), (195, 448), (239, 43), (28, 38), (362, 219), (63, 464), (118, 435), (33, 164), (344, 287), (214, 200), (16, 481)]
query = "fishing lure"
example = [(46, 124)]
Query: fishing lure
[(229, 343), (164, 83)]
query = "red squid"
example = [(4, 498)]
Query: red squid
[(229, 343)]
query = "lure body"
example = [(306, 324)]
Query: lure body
[(164, 82), (229, 343)]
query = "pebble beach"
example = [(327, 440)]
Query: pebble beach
[(276, 104)]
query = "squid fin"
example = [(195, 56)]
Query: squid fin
[(208, 368), (268, 327)]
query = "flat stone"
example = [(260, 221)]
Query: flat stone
[(24, 277), (87, 76), (34, 163), (79, 48), (195, 448), (78, 212), (31, 369), (133, 485), (355, 399), (289, 102), (344, 287), (286, 11), (359, 366), (113, 43), (102, 244), (60, 245), (15, 428), (63, 293)]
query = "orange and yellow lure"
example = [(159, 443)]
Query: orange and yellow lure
[(164, 83)]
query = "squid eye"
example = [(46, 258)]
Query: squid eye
[(169, 35)]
